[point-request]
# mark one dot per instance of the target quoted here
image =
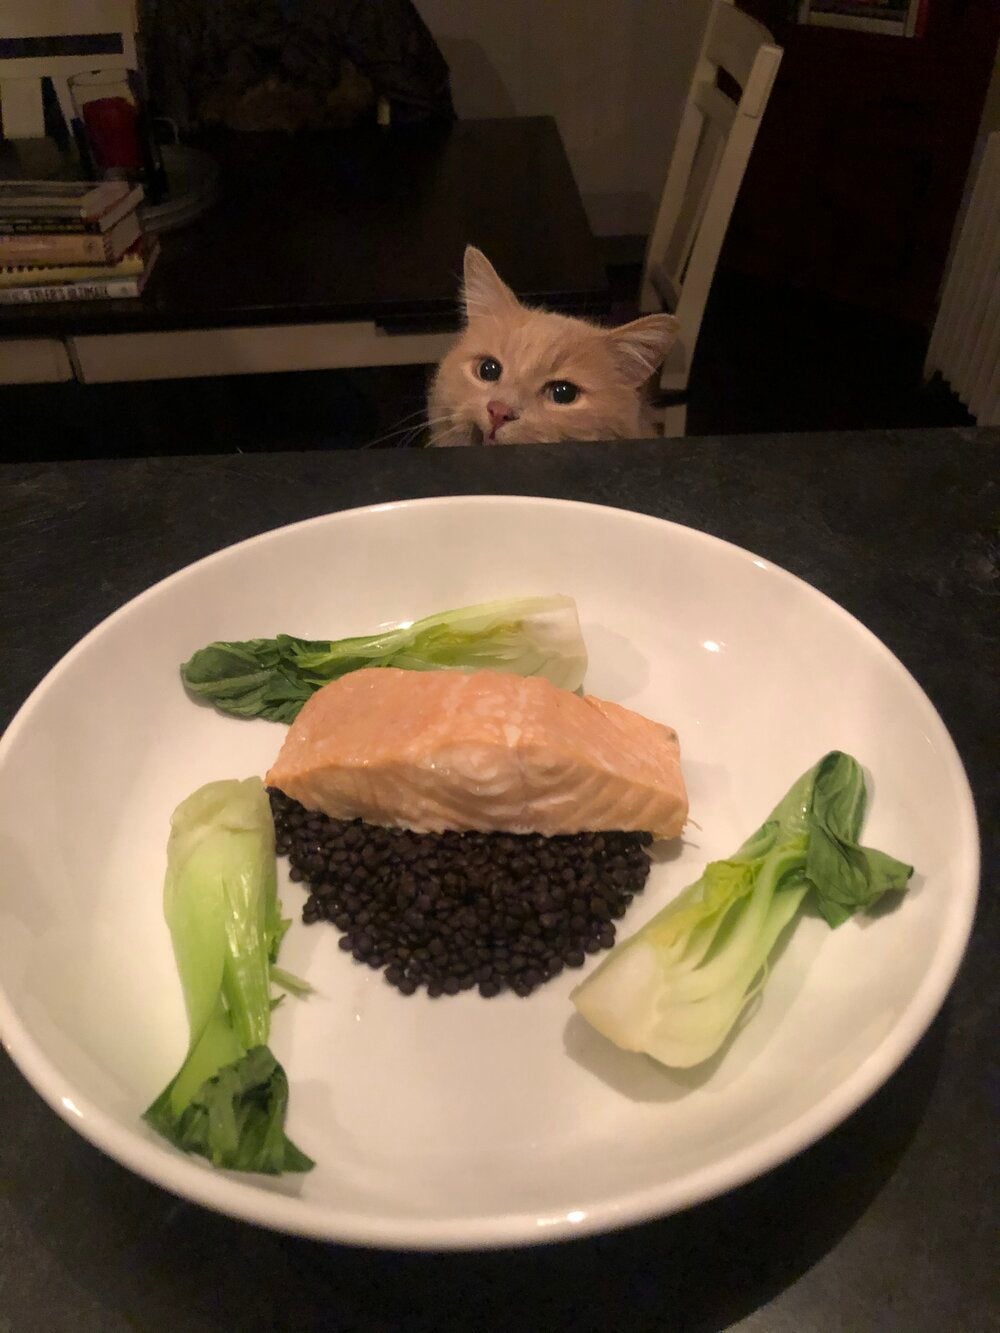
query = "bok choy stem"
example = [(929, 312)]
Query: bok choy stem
[(228, 1100), (676, 988), (272, 678)]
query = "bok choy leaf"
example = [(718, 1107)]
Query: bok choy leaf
[(228, 1100), (676, 988), (272, 678)]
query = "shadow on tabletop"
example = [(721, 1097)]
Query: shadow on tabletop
[(234, 414), (156, 1261)]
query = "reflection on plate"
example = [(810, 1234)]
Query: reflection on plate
[(461, 1122)]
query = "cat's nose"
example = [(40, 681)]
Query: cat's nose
[(500, 412)]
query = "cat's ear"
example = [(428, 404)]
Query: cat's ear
[(483, 291), (641, 346)]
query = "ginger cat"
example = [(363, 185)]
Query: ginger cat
[(523, 376)]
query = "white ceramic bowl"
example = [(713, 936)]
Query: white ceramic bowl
[(458, 1121)]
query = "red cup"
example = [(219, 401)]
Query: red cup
[(112, 125)]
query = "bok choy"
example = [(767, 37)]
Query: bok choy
[(229, 1098), (272, 678), (676, 988)]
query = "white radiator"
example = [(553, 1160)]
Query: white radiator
[(965, 343)]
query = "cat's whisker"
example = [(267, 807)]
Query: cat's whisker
[(431, 423), (406, 440), (448, 419), (418, 412), (408, 433), (389, 435), (399, 428)]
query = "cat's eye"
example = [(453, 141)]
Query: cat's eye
[(489, 368), (563, 391)]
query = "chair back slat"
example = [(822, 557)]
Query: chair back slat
[(701, 180), (732, 40), (713, 145)]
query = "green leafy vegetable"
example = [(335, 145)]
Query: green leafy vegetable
[(676, 988), (847, 877), (272, 678), (229, 1098)]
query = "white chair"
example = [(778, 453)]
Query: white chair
[(101, 31), (710, 156)]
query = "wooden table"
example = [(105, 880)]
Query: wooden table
[(887, 1225), (333, 250)]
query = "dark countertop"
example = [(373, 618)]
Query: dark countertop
[(361, 225), (887, 1225)]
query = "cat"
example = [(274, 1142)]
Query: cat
[(517, 375)]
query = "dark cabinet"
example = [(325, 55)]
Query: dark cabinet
[(859, 167)]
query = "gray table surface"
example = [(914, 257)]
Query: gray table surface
[(889, 1223)]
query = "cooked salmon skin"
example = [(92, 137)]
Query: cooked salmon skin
[(437, 750)]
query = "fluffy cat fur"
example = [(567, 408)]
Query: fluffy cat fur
[(537, 349)]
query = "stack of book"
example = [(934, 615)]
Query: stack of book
[(72, 241)]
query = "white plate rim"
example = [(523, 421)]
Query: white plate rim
[(230, 1194)]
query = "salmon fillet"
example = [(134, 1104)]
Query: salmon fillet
[(437, 750)]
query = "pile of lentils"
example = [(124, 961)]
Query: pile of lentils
[(454, 911)]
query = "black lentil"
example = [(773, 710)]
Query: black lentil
[(457, 911)]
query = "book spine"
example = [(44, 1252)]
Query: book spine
[(53, 249), (48, 226), (35, 208), (60, 198), (71, 291)]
